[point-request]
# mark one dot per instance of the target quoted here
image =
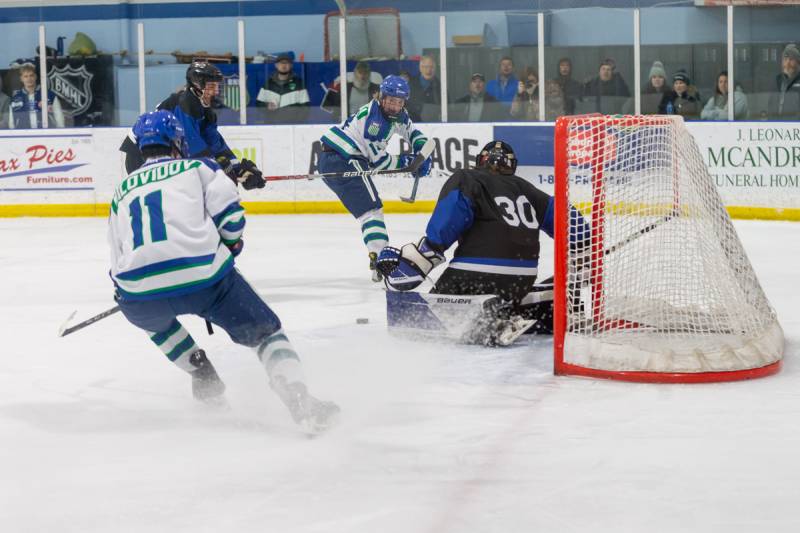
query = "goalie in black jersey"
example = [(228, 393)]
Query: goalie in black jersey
[(496, 217)]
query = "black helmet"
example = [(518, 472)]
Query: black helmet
[(498, 157), (201, 72)]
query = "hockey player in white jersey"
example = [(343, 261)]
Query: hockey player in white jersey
[(175, 228), (359, 144)]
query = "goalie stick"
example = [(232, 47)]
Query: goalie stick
[(423, 154)]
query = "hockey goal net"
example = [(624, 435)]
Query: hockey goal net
[(372, 33), (651, 280)]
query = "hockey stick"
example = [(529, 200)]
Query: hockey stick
[(64, 330), (645, 230), (422, 155)]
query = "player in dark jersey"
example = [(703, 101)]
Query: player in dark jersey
[(193, 108), (496, 217)]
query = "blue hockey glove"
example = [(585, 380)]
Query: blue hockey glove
[(236, 248), (407, 268), (406, 159), (425, 168), (398, 274)]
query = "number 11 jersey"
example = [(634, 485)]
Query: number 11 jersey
[(170, 226)]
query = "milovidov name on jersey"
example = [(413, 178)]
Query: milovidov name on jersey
[(150, 175)]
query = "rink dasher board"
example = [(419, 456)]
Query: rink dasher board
[(71, 172)]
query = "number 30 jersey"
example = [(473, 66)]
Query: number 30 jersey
[(496, 220), (170, 227)]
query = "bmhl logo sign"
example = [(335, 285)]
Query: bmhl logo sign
[(71, 85)]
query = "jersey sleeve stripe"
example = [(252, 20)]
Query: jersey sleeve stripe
[(232, 209), (234, 226), (343, 140)]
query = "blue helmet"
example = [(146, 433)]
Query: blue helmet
[(395, 86), (159, 128)]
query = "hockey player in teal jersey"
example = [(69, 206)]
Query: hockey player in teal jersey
[(359, 144), (175, 229)]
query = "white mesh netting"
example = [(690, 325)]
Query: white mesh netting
[(370, 34), (663, 284)]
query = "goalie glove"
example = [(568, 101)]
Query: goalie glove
[(406, 268)]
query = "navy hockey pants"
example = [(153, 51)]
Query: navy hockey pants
[(231, 304), (358, 195)]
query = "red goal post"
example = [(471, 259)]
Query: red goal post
[(660, 288)]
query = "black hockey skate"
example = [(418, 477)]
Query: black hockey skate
[(206, 385), (315, 416), (377, 277)]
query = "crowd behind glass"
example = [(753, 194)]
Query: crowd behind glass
[(509, 92)]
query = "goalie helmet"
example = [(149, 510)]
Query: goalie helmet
[(498, 157), (160, 128), (201, 72)]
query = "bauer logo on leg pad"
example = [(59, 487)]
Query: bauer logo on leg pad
[(439, 315)]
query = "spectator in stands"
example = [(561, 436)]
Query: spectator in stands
[(717, 106), (4, 105), (526, 102), (683, 99), (359, 92), (785, 102), (525, 105), (284, 94), (608, 91), (425, 105), (25, 109), (477, 105), (554, 101), (505, 86), (653, 92), (570, 89)]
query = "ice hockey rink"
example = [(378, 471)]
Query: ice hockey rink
[(99, 432)]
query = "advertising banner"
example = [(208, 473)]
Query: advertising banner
[(754, 165), (35, 163)]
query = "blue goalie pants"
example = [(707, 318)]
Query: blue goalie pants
[(358, 194), (231, 304)]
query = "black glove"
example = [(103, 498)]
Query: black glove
[(248, 175), (244, 172)]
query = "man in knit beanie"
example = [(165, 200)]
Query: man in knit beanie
[(785, 102)]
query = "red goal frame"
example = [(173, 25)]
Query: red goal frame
[(561, 229)]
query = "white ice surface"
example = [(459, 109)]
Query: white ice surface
[(99, 433)]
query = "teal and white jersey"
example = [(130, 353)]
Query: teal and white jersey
[(367, 132), (170, 226)]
